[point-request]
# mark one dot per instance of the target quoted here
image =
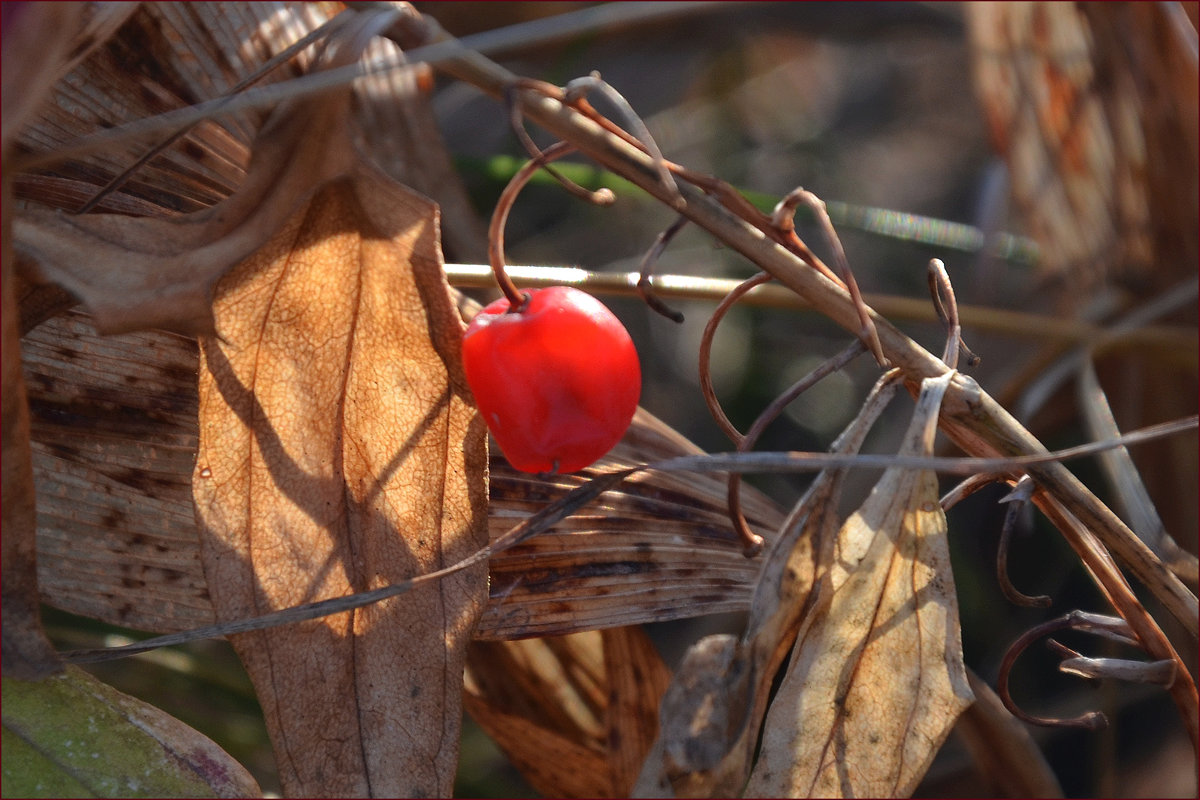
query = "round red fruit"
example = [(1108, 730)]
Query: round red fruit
[(557, 381)]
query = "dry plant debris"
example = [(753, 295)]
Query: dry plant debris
[(337, 450)]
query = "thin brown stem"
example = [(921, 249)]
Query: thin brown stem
[(751, 541), (1076, 620), (1017, 500), (783, 216), (947, 311), (516, 298), (706, 340), (644, 287)]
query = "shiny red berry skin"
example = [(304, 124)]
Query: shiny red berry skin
[(557, 382)]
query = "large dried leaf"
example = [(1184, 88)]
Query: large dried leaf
[(339, 452), (657, 547), (134, 272), (575, 714), (37, 38), (876, 679), (26, 652), (165, 56)]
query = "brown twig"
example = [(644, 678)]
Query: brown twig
[(644, 287), (947, 311), (706, 340), (783, 218), (1017, 500), (1076, 620), (752, 542), (517, 298)]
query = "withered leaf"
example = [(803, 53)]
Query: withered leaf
[(657, 547), (146, 272), (339, 452), (26, 652), (575, 714), (142, 272), (36, 49), (876, 679), (712, 713), (114, 443)]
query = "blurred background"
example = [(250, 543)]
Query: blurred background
[(970, 133)]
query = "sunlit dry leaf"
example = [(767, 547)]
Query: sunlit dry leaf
[(876, 679), (575, 714), (339, 452), (713, 711)]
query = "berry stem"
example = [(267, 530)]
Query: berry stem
[(517, 298)]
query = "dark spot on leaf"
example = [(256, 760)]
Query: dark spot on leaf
[(194, 150)]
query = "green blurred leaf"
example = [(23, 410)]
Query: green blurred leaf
[(71, 735), (884, 222)]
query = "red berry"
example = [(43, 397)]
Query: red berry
[(557, 381)]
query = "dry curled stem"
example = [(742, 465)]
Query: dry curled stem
[(972, 418)]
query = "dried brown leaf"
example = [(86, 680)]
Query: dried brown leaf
[(339, 452), (657, 547), (37, 38), (1094, 109), (114, 442), (575, 714), (137, 272), (876, 679), (703, 712), (26, 652), (713, 711)]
